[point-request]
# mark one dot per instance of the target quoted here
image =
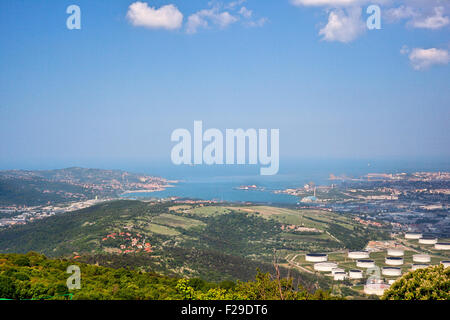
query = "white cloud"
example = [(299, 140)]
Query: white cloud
[(256, 23), (400, 13), (223, 15), (422, 59), (203, 18), (436, 21), (166, 17), (343, 27), (245, 12), (234, 4), (420, 14), (331, 3), (404, 50)]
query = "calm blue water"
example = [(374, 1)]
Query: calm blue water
[(222, 191), (219, 182)]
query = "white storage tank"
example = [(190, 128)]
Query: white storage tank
[(325, 266), (394, 261), (355, 274), (428, 240), (335, 270), (413, 235), (375, 288), (446, 263), (421, 258), (418, 266), (391, 271), (442, 246), (316, 257), (395, 252), (365, 263), (339, 276), (358, 254)]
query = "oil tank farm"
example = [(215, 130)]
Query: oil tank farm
[(442, 246), (316, 257), (428, 240), (394, 261), (445, 263), (391, 271), (395, 252), (422, 258), (355, 274), (325, 266), (358, 254), (365, 263)]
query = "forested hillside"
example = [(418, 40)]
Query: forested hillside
[(33, 276)]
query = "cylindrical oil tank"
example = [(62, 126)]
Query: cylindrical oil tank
[(355, 274), (365, 263), (428, 240), (422, 258), (394, 252), (413, 235), (442, 246), (358, 254), (316, 257), (394, 261), (391, 271), (325, 266)]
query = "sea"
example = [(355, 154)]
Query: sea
[(221, 182)]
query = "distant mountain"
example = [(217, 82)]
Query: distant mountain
[(31, 188)]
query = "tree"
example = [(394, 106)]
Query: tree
[(432, 283)]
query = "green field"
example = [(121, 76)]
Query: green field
[(208, 211), (162, 230), (177, 221)]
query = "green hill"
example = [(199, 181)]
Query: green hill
[(152, 237), (33, 276)]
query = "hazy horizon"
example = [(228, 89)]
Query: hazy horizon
[(115, 90)]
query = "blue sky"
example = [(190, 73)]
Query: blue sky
[(118, 87)]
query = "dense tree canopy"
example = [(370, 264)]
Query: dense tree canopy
[(432, 283), (33, 276)]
